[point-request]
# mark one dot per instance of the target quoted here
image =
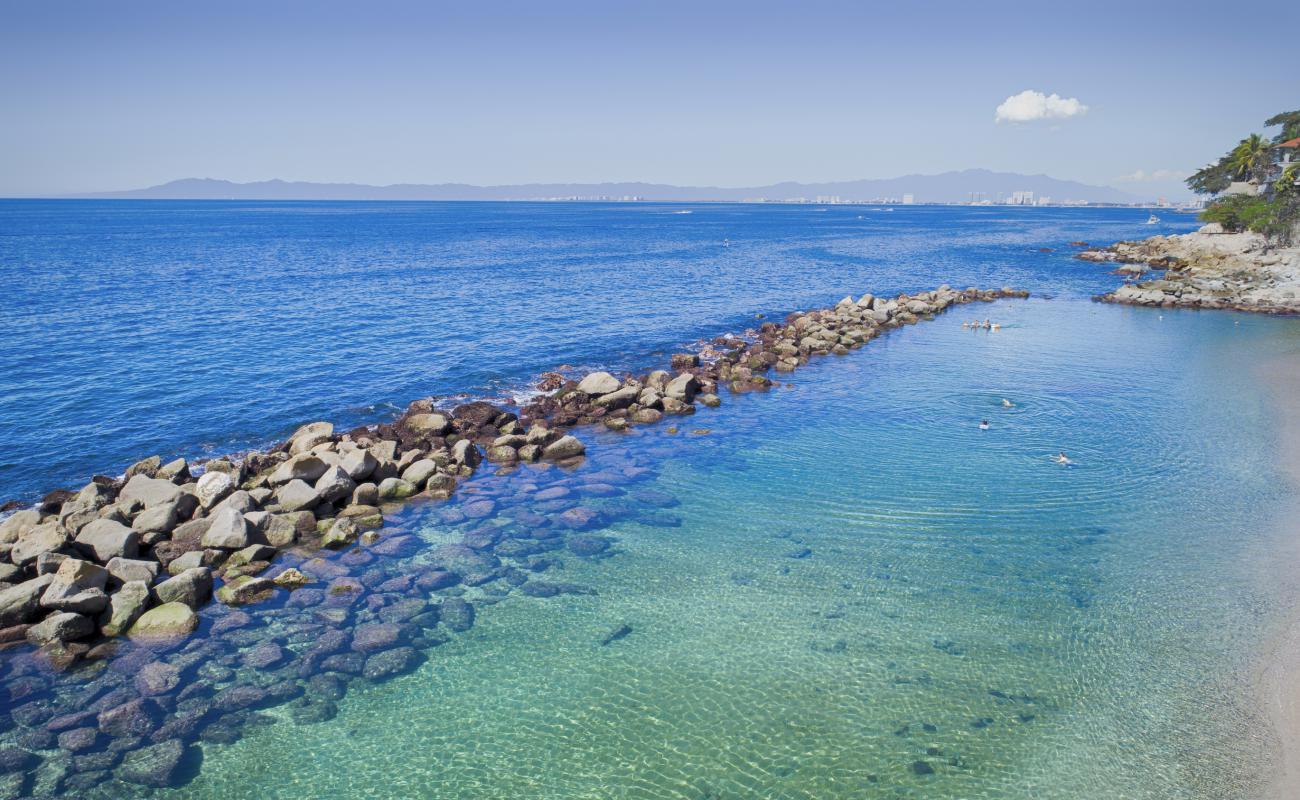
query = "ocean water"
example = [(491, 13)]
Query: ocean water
[(838, 588), (133, 328)]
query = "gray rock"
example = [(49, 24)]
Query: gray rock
[(212, 488), (282, 530), (598, 383), (683, 387), (159, 518), (20, 521), (78, 587), (305, 467), (150, 491), (564, 447), (106, 539), (127, 569), (467, 453), (419, 472), (61, 627), (43, 538), (334, 485), (395, 489), (457, 614), (192, 587), (124, 607), (187, 560), (178, 472), (21, 603), (432, 424), (240, 501), (358, 464), (309, 436), (297, 495), (228, 531)]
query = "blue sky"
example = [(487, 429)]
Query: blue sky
[(101, 96)]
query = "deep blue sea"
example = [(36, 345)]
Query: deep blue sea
[(192, 328), (841, 588)]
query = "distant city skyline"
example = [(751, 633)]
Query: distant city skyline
[(106, 97)]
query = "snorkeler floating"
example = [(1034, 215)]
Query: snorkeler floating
[(984, 424), (1062, 459)]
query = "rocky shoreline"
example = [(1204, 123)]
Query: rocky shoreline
[(102, 587), (1207, 269)]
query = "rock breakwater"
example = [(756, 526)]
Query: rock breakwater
[(1207, 269)]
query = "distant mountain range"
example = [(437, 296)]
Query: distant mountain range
[(947, 187)]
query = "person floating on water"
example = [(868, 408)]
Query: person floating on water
[(1007, 403), (1062, 460), (984, 424)]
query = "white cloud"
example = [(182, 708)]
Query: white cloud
[(1030, 105), (1142, 175)]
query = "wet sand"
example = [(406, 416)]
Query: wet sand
[(1279, 672)]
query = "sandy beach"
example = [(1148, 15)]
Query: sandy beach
[(1279, 671)]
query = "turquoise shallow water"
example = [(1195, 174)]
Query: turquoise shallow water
[(846, 589)]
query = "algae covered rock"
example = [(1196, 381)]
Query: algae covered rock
[(244, 590), (167, 621)]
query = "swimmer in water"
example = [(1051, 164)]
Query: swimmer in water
[(1007, 403), (1061, 459), (984, 424), (996, 326)]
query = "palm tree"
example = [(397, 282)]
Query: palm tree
[(1250, 159)]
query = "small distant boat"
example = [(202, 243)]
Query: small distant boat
[(682, 212), (1153, 219)]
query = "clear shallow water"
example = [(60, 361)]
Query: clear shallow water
[(1022, 629), (132, 328), (969, 620)]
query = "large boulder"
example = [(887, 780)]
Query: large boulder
[(192, 587), (358, 464), (396, 489), (419, 472), (21, 603), (18, 523), (167, 621), (64, 626), (305, 467), (212, 488), (564, 447), (431, 424), (683, 387), (105, 539), (310, 435), (150, 491), (467, 453), (125, 570), (334, 485), (228, 531), (125, 607), (162, 518), (78, 587), (622, 398), (297, 495), (598, 383), (36, 541)]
